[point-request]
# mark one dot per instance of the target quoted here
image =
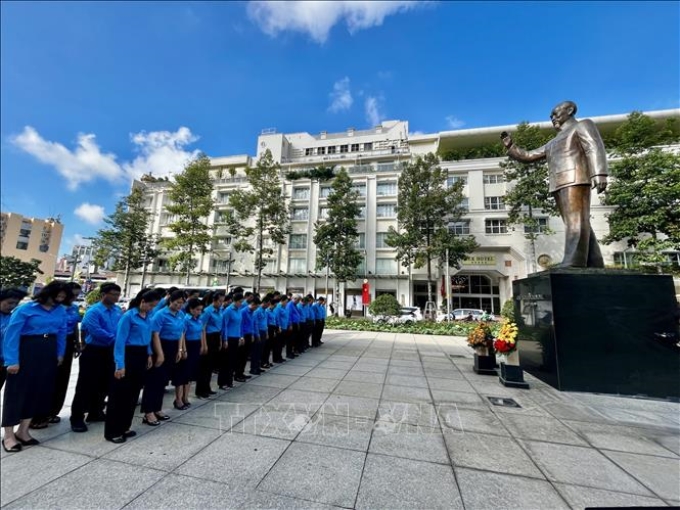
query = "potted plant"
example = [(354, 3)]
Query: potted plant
[(511, 373), (481, 340)]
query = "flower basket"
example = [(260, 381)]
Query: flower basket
[(511, 374), (481, 340)]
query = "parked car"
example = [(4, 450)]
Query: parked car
[(460, 314), (408, 315)]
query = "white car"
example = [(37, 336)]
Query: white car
[(408, 315), (461, 314)]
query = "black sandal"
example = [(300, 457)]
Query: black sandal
[(161, 417), (146, 421), (28, 442), (14, 449)]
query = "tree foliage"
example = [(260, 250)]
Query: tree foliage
[(263, 202), (191, 203), (385, 304), (124, 238), (336, 237), (645, 188), (320, 173), (426, 207), (492, 150), (15, 272)]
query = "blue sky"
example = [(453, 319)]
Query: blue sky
[(93, 94)]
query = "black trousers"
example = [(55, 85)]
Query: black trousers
[(309, 331), (277, 345), (124, 393), (228, 359), (256, 353), (268, 349), (208, 363), (29, 393), (242, 355), (3, 374), (61, 380), (157, 378), (94, 379), (289, 337)]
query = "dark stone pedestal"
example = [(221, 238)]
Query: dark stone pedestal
[(485, 365), (512, 376), (593, 330)]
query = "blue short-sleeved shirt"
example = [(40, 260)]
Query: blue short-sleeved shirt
[(168, 324), (33, 319), (213, 319), (193, 328), (247, 323), (133, 329), (231, 322), (100, 324)]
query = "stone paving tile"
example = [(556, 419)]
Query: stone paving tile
[(273, 380), (337, 365), (414, 371), (405, 363), (219, 415), (317, 473), (342, 405), (327, 373), (460, 399), (348, 432), (92, 442), (409, 441), (358, 389), (452, 373), (315, 384), (238, 461), (406, 394), (403, 412), (450, 385), (365, 367), (484, 490), (284, 422), (582, 466), (285, 369), (539, 428), (390, 483), (305, 401), (248, 394), (406, 380), (367, 377), (83, 488), (587, 497), (34, 467), (661, 475), (260, 500)]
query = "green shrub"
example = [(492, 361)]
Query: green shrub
[(385, 304), (93, 297), (418, 328), (508, 310)]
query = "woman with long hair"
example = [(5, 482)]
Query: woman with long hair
[(34, 346), (193, 346), (9, 299), (132, 356)]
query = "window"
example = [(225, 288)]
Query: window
[(493, 179), (493, 203), (361, 241), (223, 198), (301, 194), (385, 167), (362, 212), (465, 204), (270, 266), (343, 148), (496, 226), (321, 150), (368, 146), (300, 214), (220, 266), (386, 210), (381, 240), (324, 191), (540, 227), (355, 147), (297, 265), (24, 233), (220, 217), (222, 242), (298, 241), (386, 266), (360, 188), (22, 246), (323, 213), (460, 228), (453, 179), (386, 189), (309, 152), (331, 149)]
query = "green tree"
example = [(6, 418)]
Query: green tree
[(645, 188), (320, 173), (385, 304), (125, 237), (15, 272), (336, 237), (426, 208), (264, 203), (528, 196), (191, 203)]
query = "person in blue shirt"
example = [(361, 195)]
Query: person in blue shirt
[(309, 332), (248, 335), (285, 329), (9, 299), (212, 318), (232, 341), (164, 301), (259, 336), (294, 318), (320, 323), (193, 346), (96, 361), (270, 319), (167, 325), (33, 347), (132, 359), (275, 332)]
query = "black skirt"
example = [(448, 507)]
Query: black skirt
[(187, 369), (29, 393)]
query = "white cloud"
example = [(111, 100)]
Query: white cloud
[(161, 153), (373, 114), (90, 213), (76, 240), (317, 18), (454, 123), (341, 97)]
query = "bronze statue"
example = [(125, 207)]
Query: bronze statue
[(576, 160)]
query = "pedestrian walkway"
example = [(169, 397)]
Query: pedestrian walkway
[(368, 420)]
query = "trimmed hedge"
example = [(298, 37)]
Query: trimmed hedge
[(418, 328)]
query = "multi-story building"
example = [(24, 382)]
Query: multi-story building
[(373, 159), (31, 239)]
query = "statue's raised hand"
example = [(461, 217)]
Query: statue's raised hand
[(506, 139)]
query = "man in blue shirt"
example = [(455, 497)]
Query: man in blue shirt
[(294, 318), (212, 319), (231, 342), (283, 326), (320, 322), (259, 335), (247, 330), (99, 328)]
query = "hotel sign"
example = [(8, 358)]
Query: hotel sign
[(480, 260)]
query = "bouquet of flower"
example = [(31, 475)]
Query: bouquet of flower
[(479, 336), (506, 341)]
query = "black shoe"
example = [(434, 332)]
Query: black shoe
[(150, 423), (78, 426), (240, 379), (96, 417), (55, 419), (162, 417), (14, 449), (182, 407), (211, 392), (202, 395), (116, 440), (29, 442), (255, 373), (129, 433)]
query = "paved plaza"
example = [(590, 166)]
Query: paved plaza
[(368, 420)]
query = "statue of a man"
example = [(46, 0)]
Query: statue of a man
[(576, 161)]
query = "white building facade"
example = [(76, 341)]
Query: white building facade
[(373, 159)]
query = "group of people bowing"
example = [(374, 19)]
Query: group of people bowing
[(165, 336)]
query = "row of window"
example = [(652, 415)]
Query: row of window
[(497, 226), (333, 149)]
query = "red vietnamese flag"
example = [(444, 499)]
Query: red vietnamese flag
[(365, 293), (443, 289)]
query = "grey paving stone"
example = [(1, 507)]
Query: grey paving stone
[(403, 412), (315, 384), (582, 466), (489, 453), (405, 363), (483, 490), (409, 441), (343, 358), (366, 367), (348, 432), (538, 428), (273, 380), (367, 377), (165, 448), (327, 373), (358, 389), (406, 394), (289, 370), (91, 443), (302, 362), (390, 483), (260, 500), (577, 412), (449, 373), (671, 441), (33, 468), (317, 473), (411, 381), (343, 405), (284, 422), (460, 398), (183, 492), (397, 370), (248, 394), (661, 475), (337, 365), (219, 415), (450, 385), (587, 497), (236, 460), (306, 401), (83, 488)]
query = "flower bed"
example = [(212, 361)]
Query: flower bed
[(419, 328)]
